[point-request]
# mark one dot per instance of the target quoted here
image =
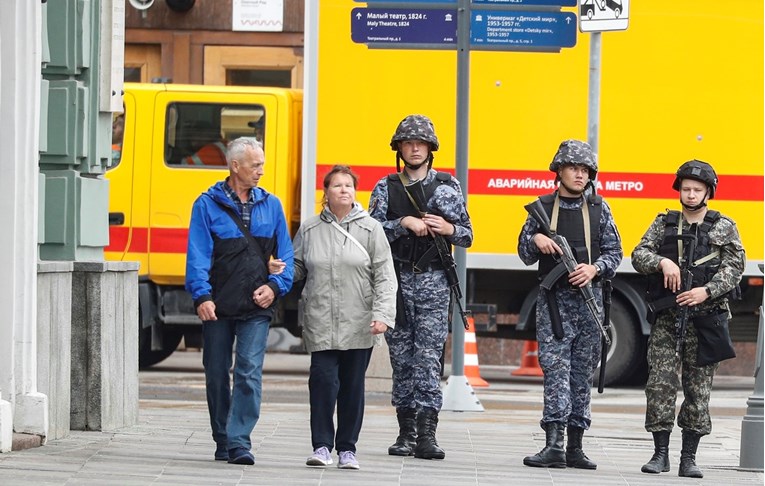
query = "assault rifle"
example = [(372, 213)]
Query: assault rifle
[(417, 197), (686, 262), (567, 264)]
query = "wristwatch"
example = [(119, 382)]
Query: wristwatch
[(600, 269), (709, 292)]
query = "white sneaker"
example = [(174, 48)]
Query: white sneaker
[(347, 460), (320, 457)]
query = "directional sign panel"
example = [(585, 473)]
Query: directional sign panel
[(403, 26), (522, 29), (519, 3)]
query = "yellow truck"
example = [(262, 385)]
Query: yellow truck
[(154, 179), (679, 83)]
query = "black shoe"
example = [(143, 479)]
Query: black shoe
[(688, 467), (660, 460), (240, 455), (407, 433), (575, 456), (426, 446), (552, 454), (221, 452)]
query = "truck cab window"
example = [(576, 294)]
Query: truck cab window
[(196, 134)]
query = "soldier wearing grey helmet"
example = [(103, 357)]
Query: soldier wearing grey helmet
[(422, 317), (716, 267), (569, 341)]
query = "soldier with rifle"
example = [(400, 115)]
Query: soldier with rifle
[(423, 213), (694, 259), (571, 233)]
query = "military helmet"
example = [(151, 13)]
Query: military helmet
[(697, 170), (415, 127), (575, 152)]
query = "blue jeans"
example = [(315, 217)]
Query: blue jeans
[(233, 414)]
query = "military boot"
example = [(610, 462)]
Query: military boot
[(407, 433), (575, 456), (660, 460), (552, 454), (688, 467), (427, 447)]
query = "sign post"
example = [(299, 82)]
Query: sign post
[(507, 25)]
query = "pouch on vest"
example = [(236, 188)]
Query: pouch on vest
[(714, 339)]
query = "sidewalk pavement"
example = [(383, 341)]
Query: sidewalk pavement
[(172, 444)]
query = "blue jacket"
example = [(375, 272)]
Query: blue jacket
[(220, 264)]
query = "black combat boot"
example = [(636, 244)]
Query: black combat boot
[(688, 467), (407, 423), (660, 460), (427, 447), (575, 456), (552, 454)]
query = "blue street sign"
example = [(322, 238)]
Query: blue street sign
[(403, 26), (517, 3), (522, 29)]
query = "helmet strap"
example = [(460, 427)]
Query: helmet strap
[(428, 161)]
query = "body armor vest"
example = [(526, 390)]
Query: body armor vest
[(411, 248), (571, 226), (703, 272)]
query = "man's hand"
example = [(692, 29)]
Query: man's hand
[(206, 311), (546, 245), (263, 296), (415, 225), (438, 225), (583, 274), (695, 296), (672, 277), (276, 266), (378, 327)]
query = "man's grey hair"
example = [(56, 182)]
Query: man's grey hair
[(237, 148)]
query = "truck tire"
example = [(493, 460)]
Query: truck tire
[(147, 357), (626, 356)]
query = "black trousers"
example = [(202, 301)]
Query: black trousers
[(337, 377)]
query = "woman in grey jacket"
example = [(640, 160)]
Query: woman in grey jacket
[(349, 299)]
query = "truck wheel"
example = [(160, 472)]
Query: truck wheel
[(627, 349), (147, 357)]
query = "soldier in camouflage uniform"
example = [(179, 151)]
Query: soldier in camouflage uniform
[(570, 339), (718, 264), (417, 341)]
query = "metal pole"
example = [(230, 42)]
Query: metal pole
[(458, 394), (751, 451), (593, 107)]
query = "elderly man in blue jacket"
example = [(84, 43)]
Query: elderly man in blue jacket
[(236, 227)]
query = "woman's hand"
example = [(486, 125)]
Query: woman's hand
[(378, 327)]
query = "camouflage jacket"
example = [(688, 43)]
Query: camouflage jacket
[(610, 242), (446, 200), (723, 235)]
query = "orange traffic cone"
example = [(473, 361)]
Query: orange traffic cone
[(471, 357), (529, 361)]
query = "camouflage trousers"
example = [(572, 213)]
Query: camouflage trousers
[(661, 389), (568, 364), (417, 343)]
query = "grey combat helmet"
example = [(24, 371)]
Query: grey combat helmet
[(697, 170), (575, 152), (415, 127)]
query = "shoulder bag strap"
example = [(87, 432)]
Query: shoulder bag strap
[(250, 239), (353, 240)]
